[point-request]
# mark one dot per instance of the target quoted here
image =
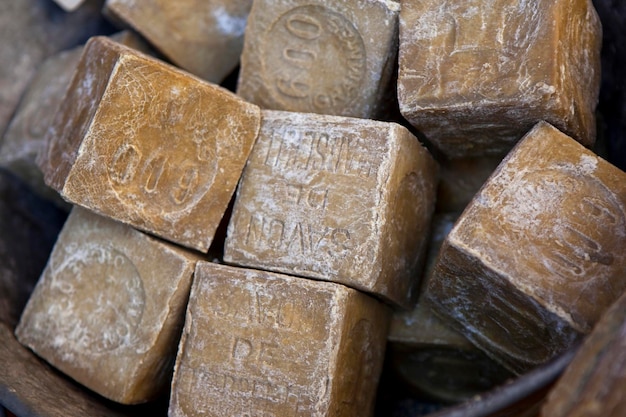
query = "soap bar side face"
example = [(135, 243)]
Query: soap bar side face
[(75, 113), (267, 343), (311, 56), (582, 70), (108, 308), (360, 356), (163, 159), (410, 201), (514, 330)]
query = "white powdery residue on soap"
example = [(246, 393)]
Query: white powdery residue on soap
[(228, 24), (588, 164), (391, 5)]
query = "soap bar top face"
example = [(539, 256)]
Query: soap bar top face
[(316, 56), (268, 344), (476, 75), (338, 199), (538, 255), (148, 145), (109, 308), (593, 383), (204, 37)]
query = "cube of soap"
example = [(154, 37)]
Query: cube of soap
[(476, 75), (593, 383), (149, 145), (316, 56), (25, 136), (538, 255), (204, 37), (263, 344), (428, 354), (109, 308), (338, 199)]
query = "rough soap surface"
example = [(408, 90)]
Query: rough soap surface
[(149, 145), (538, 255), (267, 344), (334, 198), (476, 75), (319, 57), (109, 308), (204, 37)]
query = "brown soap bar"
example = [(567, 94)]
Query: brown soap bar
[(429, 355), (318, 56), (149, 145), (538, 254), (593, 384), (24, 137), (338, 199), (32, 30), (29, 226), (263, 344), (476, 75), (205, 37), (109, 307)]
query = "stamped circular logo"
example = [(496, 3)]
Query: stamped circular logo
[(314, 60), (572, 229), (167, 161), (99, 299)]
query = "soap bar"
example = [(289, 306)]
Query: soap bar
[(109, 308), (475, 75), (538, 254), (319, 57), (593, 383), (338, 199), (32, 30), (24, 137), (29, 226), (429, 355), (149, 145), (263, 344), (204, 37)]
